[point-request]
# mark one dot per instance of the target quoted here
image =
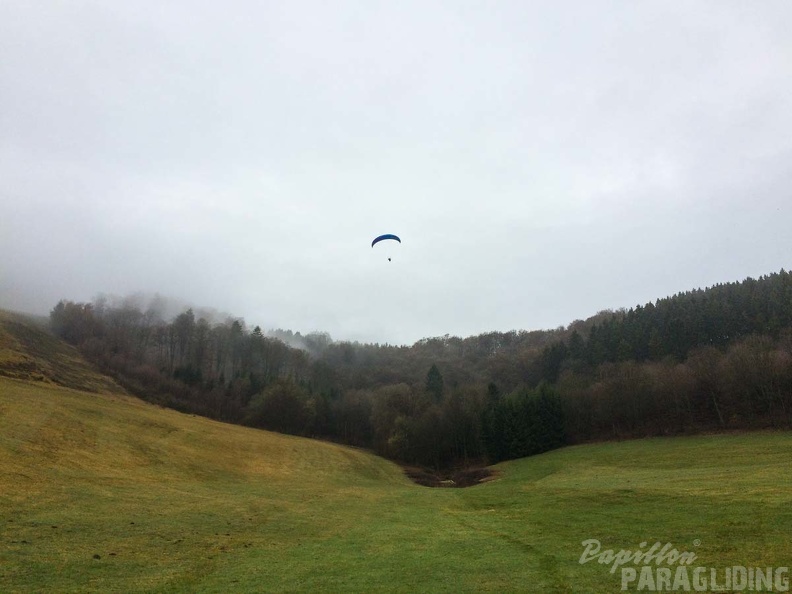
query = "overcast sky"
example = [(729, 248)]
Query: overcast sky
[(541, 160)]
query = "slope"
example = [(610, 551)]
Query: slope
[(103, 492), (160, 498), (29, 351), (107, 493)]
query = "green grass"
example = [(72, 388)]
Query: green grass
[(175, 503)]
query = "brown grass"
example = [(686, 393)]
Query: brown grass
[(28, 351)]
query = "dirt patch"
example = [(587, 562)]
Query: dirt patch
[(467, 477)]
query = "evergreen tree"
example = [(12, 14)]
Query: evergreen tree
[(434, 383)]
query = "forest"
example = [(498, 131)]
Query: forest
[(709, 359)]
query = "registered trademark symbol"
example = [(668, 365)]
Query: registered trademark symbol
[(697, 543)]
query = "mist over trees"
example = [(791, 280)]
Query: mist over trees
[(712, 359)]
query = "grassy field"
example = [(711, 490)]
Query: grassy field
[(105, 493)]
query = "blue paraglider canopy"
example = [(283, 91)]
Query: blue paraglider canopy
[(383, 237)]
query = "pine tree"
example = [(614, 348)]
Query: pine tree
[(434, 383)]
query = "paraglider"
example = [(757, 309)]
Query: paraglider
[(383, 238)]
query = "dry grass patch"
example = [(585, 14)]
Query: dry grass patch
[(29, 351)]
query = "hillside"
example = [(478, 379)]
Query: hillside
[(104, 492), (100, 491), (108, 493), (160, 498), (29, 351), (717, 359)]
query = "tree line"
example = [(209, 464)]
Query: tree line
[(719, 358)]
